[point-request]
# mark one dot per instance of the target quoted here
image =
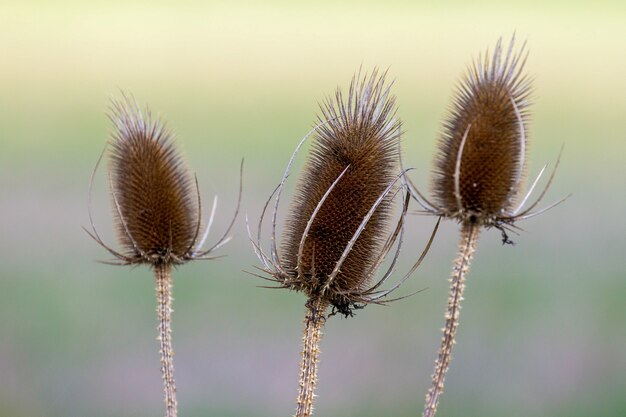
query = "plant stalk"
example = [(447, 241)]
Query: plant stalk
[(313, 324), (163, 277), (467, 247)]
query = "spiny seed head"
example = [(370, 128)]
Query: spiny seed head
[(358, 133), (480, 163), (152, 190)]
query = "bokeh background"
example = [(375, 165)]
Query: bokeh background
[(543, 328)]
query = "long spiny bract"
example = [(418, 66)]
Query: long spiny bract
[(156, 215), (361, 138), (480, 162)]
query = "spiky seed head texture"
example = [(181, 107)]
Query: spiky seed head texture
[(480, 163), (360, 132), (154, 205)]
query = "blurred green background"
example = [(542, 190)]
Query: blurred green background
[(543, 328)]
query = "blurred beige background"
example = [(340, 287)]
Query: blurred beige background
[(543, 328)]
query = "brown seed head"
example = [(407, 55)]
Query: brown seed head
[(153, 192), (481, 158), (361, 136)]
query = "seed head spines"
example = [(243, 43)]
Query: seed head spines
[(156, 213), (156, 201), (336, 231), (480, 162), (360, 139)]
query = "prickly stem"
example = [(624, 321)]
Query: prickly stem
[(467, 247), (163, 277), (313, 324)]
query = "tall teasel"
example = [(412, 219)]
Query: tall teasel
[(479, 171), (337, 232), (157, 213)]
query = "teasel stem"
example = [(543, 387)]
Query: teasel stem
[(163, 277), (313, 324), (467, 246)]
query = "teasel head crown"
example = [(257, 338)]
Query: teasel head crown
[(481, 159), (156, 201), (336, 232)]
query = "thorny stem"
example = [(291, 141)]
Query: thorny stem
[(163, 277), (467, 247), (313, 324)]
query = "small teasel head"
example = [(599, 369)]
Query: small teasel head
[(156, 202), (480, 162), (153, 192), (337, 230), (481, 158)]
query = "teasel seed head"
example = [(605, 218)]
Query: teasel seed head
[(337, 229), (480, 162), (360, 136), (153, 190), (156, 200)]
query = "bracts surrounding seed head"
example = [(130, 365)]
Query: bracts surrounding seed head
[(156, 201), (480, 163), (357, 143), (337, 233), (156, 215)]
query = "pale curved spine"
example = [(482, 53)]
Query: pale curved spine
[(467, 247), (163, 277)]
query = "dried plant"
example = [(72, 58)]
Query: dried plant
[(479, 171), (157, 212), (337, 231)]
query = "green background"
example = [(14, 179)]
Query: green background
[(543, 328)]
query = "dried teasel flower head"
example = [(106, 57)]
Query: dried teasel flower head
[(156, 201), (336, 233), (157, 217), (481, 159)]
